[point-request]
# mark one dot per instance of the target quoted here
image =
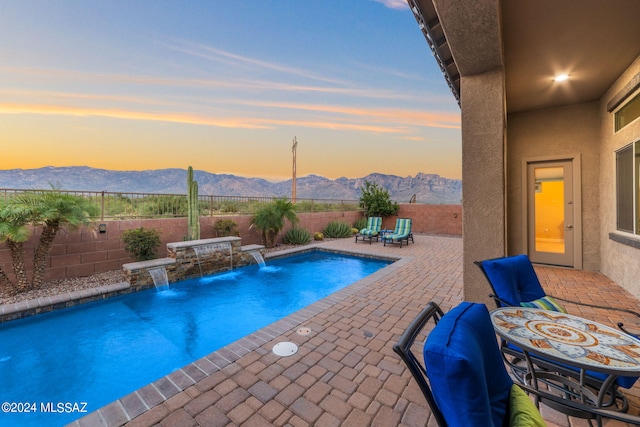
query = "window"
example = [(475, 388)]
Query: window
[(627, 188), (628, 113)]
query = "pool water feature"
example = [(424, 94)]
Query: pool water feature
[(97, 352), (258, 257), (209, 250), (160, 278)]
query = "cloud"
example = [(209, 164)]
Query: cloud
[(394, 4), (115, 113), (409, 117), (210, 53), (194, 119), (237, 84)]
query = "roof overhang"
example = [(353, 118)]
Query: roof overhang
[(593, 41)]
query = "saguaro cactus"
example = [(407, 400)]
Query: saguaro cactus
[(193, 212)]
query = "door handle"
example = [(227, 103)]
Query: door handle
[(569, 227)]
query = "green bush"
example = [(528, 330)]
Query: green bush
[(270, 219), (376, 201), (225, 227), (337, 229), (297, 236), (230, 207), (360, 224), (142, 244)]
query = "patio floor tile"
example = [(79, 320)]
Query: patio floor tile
[(345, 371)]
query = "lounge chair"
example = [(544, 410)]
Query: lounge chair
[(401, 233), (464, 380), (371, 231), (515, 283)]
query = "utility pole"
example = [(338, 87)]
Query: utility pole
[(293, 181)]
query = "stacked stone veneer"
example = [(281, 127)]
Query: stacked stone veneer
[(183, 261)]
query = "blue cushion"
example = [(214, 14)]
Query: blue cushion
[(465, 368), (513, 279)]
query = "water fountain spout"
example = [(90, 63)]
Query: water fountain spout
[(209, 250), (160, 279), (258, 257)]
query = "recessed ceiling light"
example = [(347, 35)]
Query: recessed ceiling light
[(561, 77)]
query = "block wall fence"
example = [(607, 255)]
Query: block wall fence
[(86, 252)]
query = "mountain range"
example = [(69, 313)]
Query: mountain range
[(427, 188)]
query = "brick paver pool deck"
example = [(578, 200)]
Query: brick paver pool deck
[(345, 372)]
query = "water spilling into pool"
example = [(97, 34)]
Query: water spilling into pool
[(160, 279), (258, 257), (98, 352)]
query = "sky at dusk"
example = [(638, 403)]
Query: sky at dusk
[(224, 86)]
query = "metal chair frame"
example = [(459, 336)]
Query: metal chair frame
[(403, 348)]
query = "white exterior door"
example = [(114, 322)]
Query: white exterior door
[(551, 213)]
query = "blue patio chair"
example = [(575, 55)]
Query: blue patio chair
[(463, 376), (401, 233), (515, 283), (464, 379), (372, 230)]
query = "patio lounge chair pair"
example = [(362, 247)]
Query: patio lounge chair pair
[(463, 378), (402, 233), (371, 231)]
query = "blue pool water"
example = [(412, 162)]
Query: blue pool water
[(98, 352)]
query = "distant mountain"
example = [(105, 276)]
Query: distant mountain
[(428, 188)]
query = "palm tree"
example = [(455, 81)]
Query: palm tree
[(50, 210), (270, 219), (14, 231)]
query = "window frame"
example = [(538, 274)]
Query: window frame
[(627, 183), (633, 102)]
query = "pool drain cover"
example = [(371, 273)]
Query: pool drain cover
[(285, 348)]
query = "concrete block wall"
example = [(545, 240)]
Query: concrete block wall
[(435, 220), (86, 252)]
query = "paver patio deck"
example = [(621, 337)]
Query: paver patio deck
[(345, 371)]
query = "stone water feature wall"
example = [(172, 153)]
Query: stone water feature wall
[(194, 258)]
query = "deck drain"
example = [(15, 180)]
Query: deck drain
[(303, 331), (368, 334), (285, 348)]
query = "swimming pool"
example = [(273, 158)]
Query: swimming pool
[(92, 354)]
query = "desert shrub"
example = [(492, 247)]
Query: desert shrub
[(360, 224), (225, 227), (230, 206), (337, 229), (318, 236), (297, 236), (162, 205), (142, 243)]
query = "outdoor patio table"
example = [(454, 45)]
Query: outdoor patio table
[(572, 341), (385, 232)]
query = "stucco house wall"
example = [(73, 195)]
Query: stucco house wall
[(619, 261), (554, 133)]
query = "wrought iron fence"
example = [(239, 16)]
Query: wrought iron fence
[(121, 205)]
